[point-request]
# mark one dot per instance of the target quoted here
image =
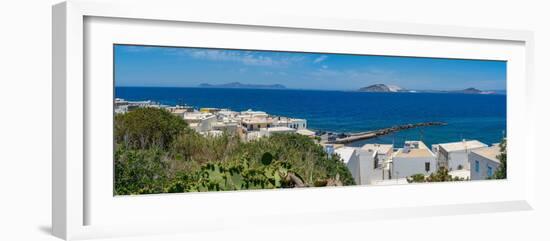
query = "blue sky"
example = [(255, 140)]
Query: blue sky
[(189, 67)]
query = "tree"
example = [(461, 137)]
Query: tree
[(441, 175), (140, 171), (501, 171), (147, 127)]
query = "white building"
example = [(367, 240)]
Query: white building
[(306, 132), (346, 153), (179, 110), (251, 113), (484, 162), (273, 130), (266, 132), (454, 155), (413, 158), (121, 106), (225, 126), (132, 105), (256, 123), (297, 124), (362, 164), (211, 110), (200, 122), (384, 153), (227, 114)]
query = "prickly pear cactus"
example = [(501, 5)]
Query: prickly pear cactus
[(237, 176)]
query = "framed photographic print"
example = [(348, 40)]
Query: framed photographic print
[(302, 119), (178, 121)]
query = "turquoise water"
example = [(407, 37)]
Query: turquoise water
[(480, 117)]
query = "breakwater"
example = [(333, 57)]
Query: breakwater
[(351, 137)]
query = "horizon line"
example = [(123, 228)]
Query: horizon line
[(291, 88)]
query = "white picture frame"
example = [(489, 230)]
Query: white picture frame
[(79, 26)]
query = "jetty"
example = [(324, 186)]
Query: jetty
[(351, 137)]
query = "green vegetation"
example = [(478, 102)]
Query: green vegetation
[(156, 152), (442, 175), (147, 127), (416, 178), (501, 171)]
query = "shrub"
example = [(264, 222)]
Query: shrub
[(147, 128), (140, 171), (416, 178), (156, 152)]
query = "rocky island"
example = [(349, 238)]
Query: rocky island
[(383, 88)]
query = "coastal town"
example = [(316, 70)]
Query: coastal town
[(370, 164)]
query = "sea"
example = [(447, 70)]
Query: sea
[(468, 116)]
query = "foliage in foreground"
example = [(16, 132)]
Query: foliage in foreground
[(161, 154), (441, 175), (501, 171), (146, 128)]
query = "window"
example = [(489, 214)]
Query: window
[(489, 171), (375, 162), (427, 166), (477, 166)]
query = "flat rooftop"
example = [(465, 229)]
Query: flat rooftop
[(462, 145), (305, 132), (280, 129), (345, 153), (490, 153), (256, 120), (253, 113), (196, 115), (412, 153), (420, 144), (383, 148)]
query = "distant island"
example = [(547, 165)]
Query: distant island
[(238, 85), (469, 91), (383, 88)]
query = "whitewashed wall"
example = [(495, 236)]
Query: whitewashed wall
[(481, 174), (458, 158), (405, 167)]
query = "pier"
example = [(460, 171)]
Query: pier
[(380, 132)]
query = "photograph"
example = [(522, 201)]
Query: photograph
[(195, 119), (271, 120)]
